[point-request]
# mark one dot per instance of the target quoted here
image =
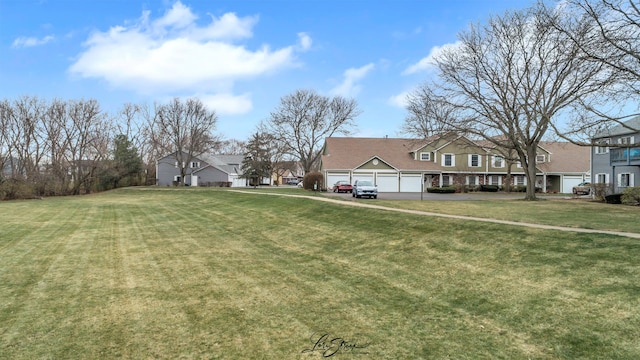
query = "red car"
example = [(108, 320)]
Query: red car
[(342, 186)]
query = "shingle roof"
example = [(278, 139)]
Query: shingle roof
[(565, 158), (619, 129), (348, 153)]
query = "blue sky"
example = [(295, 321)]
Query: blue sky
[(239, 57)]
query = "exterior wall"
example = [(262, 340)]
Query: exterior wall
[(211, 176), (166, 170), (602, 163)]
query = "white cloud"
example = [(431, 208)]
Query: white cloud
[(305, 41), (427, 63), (174, 53), (227, 104), (349, 86), (399, 100), (24, 41)]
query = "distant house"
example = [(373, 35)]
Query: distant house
[(614, 158), (203, 170), (412, 165)]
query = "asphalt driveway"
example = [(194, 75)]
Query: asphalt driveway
[(430, 196)]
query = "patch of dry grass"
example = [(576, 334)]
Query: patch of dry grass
[(191, 273)]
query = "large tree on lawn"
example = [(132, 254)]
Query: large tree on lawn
[(510, 81), (304, 119)]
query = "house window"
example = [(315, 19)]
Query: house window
[(425, 156), (495, 180), (602, 178), (176, 178), (448, 160), (195, 164), (176, 164), (520, 180), (519, 164), (540, 158), (446, 180), (498, 162), (602, 147), (625, 180), (626, 140), (472, 180), (474, 160)]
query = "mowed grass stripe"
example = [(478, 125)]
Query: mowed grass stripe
[(211, 274)]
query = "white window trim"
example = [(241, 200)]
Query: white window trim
[(630, 137), (425, 158), (479, 160), (544, 158), (449, 178), (524, 180), (453, 160), (631, 180), (195, 164), (490, 177), (602, 149), (493, 162), (476, 177), (606, 178)]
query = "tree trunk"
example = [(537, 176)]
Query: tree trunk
[(531, 172)]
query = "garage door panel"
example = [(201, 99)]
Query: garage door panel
[(568, 182), (387, 183), (411, 183), (334, 178)]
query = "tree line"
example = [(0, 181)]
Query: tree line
[(70, 147)]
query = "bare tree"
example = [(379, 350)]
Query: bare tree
[(304, 119), (231, 147), (511, 80), (185, 128), (614, 40), (87, 133)]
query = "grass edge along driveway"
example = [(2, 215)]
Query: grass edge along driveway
[(452, 216)]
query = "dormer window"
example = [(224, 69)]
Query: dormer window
[(425, 156), (540, 159)]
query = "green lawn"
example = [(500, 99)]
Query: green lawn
[(208, 273)]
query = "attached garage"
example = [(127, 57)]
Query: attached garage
[(387, 182), (357, 176), (334, 177), (410, 182), (569, 181)]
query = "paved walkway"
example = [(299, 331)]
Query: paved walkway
[(461, 217)]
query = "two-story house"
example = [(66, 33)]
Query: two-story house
[(203, 170), (615, 159), (412, 165)]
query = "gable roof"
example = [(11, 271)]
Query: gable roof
[(565, 157), (349, 153), (620, 129), (340, 153)]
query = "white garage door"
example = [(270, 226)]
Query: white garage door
[(362, 177), (568, 182), (334, 178), (411, 183), (387, 182)]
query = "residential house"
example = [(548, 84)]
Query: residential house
[(412, 165), (203, 170), (614, 158)]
